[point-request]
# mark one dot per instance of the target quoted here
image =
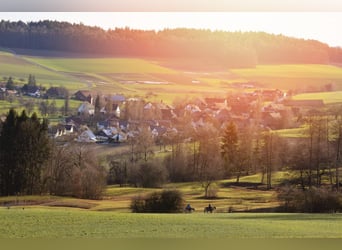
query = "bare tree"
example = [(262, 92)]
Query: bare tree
[(75, 171), (210, 162)]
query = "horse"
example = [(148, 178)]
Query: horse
[(209, 209), (189, 210)]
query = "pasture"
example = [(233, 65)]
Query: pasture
[(156, 80), (20, 68), (327, 97), (292, 76), (37, 222), (5, 105)]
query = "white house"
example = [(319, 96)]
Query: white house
[(87, 136), (86, 109)]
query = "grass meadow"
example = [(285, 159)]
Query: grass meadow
[(122, 75), (20, 68), (327, 97), (41, 217), (73, 223), (292, 76), (5, 106)]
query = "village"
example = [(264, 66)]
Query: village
[(120, 118), (116, 118)]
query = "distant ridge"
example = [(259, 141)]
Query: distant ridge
[(228, 49)]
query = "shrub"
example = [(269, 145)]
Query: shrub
[(313, 200), (167, 201), (148, 175)]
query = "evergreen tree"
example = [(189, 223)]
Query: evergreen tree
[(32, 80), (10, 84), (24, 150), (97, 104), (66, 104), (229, 146)]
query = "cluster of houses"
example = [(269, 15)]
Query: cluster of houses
[(270, 108)]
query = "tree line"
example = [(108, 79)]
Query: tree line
[(30, 163), (225, 49)]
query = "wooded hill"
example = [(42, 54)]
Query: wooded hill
[(225, 49)]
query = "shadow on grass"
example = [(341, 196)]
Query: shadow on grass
[(288, 217), (249, 185)]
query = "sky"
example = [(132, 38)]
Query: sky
[(321, 26)]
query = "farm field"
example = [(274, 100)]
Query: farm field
[(291, 76), (19, 68), (327, 97), (155, 80), (73, 223), (5, 106)]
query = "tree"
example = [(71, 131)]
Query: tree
[(268, 159), (229, 146), (10, 84), (25, 148), (316, 132), (29, 104), (52, 109), (43, 107), (75, 171), (97, 104), (31, 80), (118, 170), (337, 134), (66, 104), (145, 143), (210, 165)]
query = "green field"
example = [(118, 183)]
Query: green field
[(291, 76), (73, 223), (101, 65), (141, 76), (19, 68), (327, 97), (5, 106)]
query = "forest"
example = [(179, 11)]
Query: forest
[(223, 49)]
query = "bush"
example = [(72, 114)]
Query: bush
[(168, 201), (313, 200), (148, 175)]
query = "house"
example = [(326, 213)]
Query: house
[(2, 93), (118, 99), (56, 92), (269, 94), (157, 131), (223, 115), (272, 120), (116, 110), (86, 109), (191, 108), (76, 121), (216, 103), (85, 96), (304, 103), (67, 129), (87, 136), (31, 90)]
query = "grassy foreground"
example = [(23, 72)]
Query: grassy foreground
[(73, 223)]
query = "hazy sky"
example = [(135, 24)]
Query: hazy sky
[(322, 26)]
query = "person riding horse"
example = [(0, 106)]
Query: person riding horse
[(209, 209), (189, 209)]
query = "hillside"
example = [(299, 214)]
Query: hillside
[(201, 48), (155, 79)]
